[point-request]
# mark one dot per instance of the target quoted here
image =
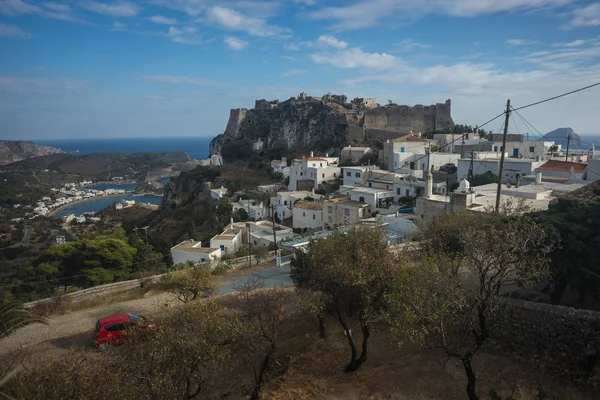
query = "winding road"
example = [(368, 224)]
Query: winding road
[(26, 236)]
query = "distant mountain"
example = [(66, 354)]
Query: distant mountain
[(561, 136), (13, 151)]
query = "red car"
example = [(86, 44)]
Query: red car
[(112, 329)]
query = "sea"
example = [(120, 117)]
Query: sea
[(195, 147), (96, 205)]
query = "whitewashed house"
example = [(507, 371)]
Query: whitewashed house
[(354, 154), (190, 250), (309, 173), (342, 211), (216, 194), (308, 215), (229, 241)]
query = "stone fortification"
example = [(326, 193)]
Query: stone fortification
[(329, 122)]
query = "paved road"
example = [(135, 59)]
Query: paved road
[(25, 240), (75, 329)]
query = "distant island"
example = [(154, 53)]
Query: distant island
[(560, 137), (16, 150)]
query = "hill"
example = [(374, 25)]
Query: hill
[(13, 151), (560, 136), (107, 166)]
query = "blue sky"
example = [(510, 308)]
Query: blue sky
[(76, 69)]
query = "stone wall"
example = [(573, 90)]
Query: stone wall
[(556, 332), (382, 135), (236, 117), (355, 134), (404, 119)]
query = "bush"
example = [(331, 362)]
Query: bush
[(189, 284)]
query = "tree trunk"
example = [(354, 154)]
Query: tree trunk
[(471, 379), (322, 332), (355, 363), (261, 373)]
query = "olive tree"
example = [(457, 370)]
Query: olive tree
[(353, 271), (189, 284), (450, 295)]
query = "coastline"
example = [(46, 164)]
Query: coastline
[(55, 211)]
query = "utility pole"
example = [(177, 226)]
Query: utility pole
[(501, 169), (462, 147), (470, 174), (274, 232), (568, 143)]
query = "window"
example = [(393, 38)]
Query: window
[(314, 216), (347, 211), (387, 187), (114, 327), (222, 247), (300, 173), (496, 148), (370, 184), (202, 259), (321, 165), (407, 193), (357, 174), (401, 149), (329, 209), (361, 199), (255, 243), (348, 173), (304, 214), (531, 149), (323, 175), (398, 192), (412, 165), (330, 220), (285, 202)]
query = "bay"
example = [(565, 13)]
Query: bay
[(97, 204)]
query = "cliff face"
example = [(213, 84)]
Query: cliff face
[(13, 151), (328, 123), (308, 124)]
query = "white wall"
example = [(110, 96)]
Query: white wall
[(593, 170), (304, 218), (230, 245), (356, 177), (511, 167)]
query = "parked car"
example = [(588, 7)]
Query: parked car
[(449, 168), (113, 329)]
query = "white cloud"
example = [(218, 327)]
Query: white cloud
[(566, 57), (411, 44), (39, 85), (185, 35), (13, 31), (117, 9), (179, 80), (61, 8), (288, 58), (305, 2), (234, 20), (294, 71), (159, 19), (13, 8), (118, 26), (235, 43), (574, 43), (332, 41), (521, 42), (585, 16), (361, 14), (253, 8), (355, 58)]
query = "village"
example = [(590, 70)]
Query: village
[(414, 180)]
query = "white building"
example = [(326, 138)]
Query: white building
[(229, 241), (216, 194), (268, 188), (512, 167), (406, 144), (310, 173), (190, 250), (354, 154), (308, 215), (80, 219), (69, 218), (216, 159), (376, 198), (258, 145), (256, 210), (281, 166), (593, 170), (285, 202), (342, 211), (407, 162), (356, 176)]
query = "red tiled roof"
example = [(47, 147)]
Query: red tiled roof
[(555, 165), (590, 191)]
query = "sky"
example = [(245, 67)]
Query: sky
[(92, 69)]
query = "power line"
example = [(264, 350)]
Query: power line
[(556, 97)]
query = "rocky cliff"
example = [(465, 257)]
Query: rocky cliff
[(307, 124), (13, 151), (328, 123)]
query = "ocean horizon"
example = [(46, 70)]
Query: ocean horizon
[(195, 147)]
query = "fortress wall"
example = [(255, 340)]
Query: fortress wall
[(236, 117), (355, 134)]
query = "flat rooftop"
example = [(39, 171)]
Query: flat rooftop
[(309, 205), (188, 247)]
